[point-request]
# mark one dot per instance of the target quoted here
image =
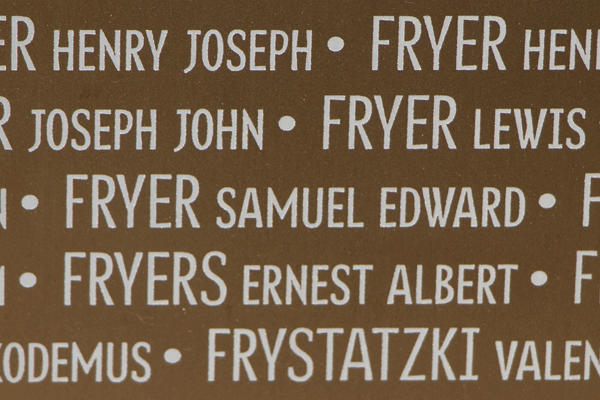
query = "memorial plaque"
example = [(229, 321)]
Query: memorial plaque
[(304, 199)]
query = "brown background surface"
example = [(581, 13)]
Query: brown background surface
[(546, 240)]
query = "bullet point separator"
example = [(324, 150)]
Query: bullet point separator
[(29, 202), (547, 201), (172, 356), (28, 280), (335, 44), (287, 123)]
